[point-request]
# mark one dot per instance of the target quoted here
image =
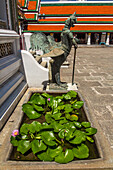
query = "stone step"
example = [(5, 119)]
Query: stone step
[(10, 86), (8, 67), (10, 103)]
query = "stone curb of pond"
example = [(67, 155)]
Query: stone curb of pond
[(104, 162)]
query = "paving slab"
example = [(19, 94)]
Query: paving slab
[(94, 76)]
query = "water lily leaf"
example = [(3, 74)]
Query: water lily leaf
[(81, 151), (68, 108), (46, 95), (63, 121), (69, 135), (44, 156), (24, 137), (30, 112), (48, 118), (55, 110), (61, 107), (59, 97), (63, 133), (90, 139), (72, 93), (35, 126), (70, 126), (80, 137), (37, 146), (24, 128), (78, 104), (13, 141), (46, 126), (57, 116), (38, 108), (86, 124), (57, 127), (66, 96), (23, 146), (53, 103), (65, 157), (67, 115), (37, 99), (54, 152), (91, 131), (48, 138), (77, 124)]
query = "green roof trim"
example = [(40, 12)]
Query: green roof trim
[(78, 4), (79, 22), (77, 31), (66, 15), (25, 3)]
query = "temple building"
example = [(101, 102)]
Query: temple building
[(94, 19)]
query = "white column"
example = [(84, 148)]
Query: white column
[(89, 39), (108, 37)]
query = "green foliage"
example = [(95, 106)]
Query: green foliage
[(61, 136), (37, 146), (81, 151)]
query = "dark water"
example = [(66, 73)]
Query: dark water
[(29, 156)]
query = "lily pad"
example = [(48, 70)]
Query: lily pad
[(24, 128), (67, 96), (57, 126), (38, 108), (57, 116), (63, 121), (37, 146), (72, 93), (44, 156), (65, 157), (46, 126), (23, 146), (13, 141), (78, 104), (68, 108), (48, 118), (81, 151), (45, 95), (91, 131), (63, 133), (61, 107), (86, 124), (35, 126), (80, 137), (78, 124), (90, 139), (37, 99), (54, 152), (30, 112), (48, 138)]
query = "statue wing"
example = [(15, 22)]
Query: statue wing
[(39, 41)]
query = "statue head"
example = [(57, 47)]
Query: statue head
[(71, 20)]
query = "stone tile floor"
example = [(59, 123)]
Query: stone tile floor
[(94, 76)]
